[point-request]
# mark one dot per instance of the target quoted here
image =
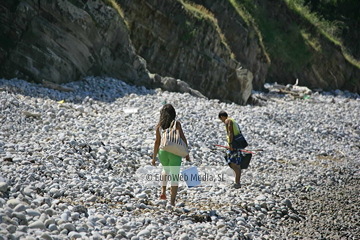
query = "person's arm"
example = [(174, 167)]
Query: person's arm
[(156, 145), (178, 127), (230, 129)]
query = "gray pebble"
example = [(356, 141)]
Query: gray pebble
[(37, 224), (3, 186), (80, 176)]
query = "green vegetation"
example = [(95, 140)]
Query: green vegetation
[(250, 21), (113, 4), (120, 11), (331, 30), (199, 11), (294, 43), (283, 41), (202, 14), (190, 31), (294, 34)]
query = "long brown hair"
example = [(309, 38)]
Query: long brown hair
[(167, 115)]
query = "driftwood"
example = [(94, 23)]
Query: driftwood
[(57, 86), (294, 91)]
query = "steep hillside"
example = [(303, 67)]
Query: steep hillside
[(63, 41), (300, 48), (275, 41), (184, 41), (242, 36), (343, 17), (221, 48)]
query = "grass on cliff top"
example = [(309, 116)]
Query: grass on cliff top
[(115, 5), (281, 40), (250, 21), (330, 30), (289, 42), (200, 12)]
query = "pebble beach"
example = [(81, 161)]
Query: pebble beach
[(75, 165)]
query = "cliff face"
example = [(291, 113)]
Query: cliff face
[(185, 46), (177, 42), (61, 41), (58, 41), (242, 39), (327, 68)]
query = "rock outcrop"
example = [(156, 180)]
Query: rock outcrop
[(179, 40), (174, 44), (327, 66), (62, 41), (242, 39)]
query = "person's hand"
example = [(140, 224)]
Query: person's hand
[(153, 162), (231, 148), (187, 158)]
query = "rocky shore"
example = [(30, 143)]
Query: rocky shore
[(70, 165)]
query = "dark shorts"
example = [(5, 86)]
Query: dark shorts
[(233, 156), (239, 158)]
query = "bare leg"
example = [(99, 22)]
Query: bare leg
[(164, 182), (174, 190), (237, 171)]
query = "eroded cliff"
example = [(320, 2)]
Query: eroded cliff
[(202, 47), (184, 41), (62, 41), (316, 60)]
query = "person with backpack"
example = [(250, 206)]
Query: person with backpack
[(236, 143), (171, 162)]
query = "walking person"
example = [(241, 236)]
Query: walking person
[(171, 163), (236, 142)]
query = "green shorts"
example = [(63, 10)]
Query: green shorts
[(171, 164)]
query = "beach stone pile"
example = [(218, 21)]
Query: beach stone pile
[(70, 164)]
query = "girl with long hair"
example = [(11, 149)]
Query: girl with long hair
[(171, 162)]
